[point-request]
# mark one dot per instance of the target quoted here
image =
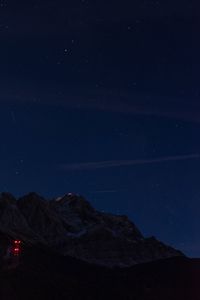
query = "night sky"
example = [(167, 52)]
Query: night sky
[(102, 98)]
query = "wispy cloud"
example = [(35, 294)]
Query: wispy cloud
[(111, 100), (121, 163)]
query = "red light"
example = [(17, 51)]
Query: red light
[(16, 249), (17, 242)]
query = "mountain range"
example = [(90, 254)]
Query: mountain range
[(70, 226)]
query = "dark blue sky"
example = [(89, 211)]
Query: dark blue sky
[(102, 98)]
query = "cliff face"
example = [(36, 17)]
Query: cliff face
[(69, 225)]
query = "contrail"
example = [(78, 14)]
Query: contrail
[(115, 102), (119, 163)]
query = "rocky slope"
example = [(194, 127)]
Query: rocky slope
[(70, 226)]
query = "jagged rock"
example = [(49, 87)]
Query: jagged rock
[(41, 218), (12, 222)]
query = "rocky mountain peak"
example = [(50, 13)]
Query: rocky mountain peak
[(75, 202), (31, 199)]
